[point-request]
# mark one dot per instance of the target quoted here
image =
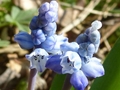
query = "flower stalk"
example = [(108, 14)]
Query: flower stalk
[(32, 79), (67, 85)]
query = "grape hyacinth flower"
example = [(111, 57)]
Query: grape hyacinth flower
[(77, 58), (54, 52)]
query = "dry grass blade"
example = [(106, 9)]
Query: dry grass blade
[(81, 17)]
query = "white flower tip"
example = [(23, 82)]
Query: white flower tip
[(96, 24)]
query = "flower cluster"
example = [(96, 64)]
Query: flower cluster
[(54, 52)]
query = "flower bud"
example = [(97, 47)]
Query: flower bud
[(24, 40), (33, 24), (50, 29), (51, 16), (38, 36), (44, 8), (53, 6)]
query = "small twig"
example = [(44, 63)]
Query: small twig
[(32, 79), (81, 17), (13, 48), (88, 9), (7, 80), (66, 84), (111, 30), (5, 75), (107, 45)]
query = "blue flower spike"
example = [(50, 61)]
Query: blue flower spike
[(93, 68), (24, 40), (71, 62), (38, 59), (75, 58)]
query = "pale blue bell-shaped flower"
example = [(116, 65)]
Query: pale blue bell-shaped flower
[(93, 68), (71, 62), (79, 80), (38, 59), (24, 40)]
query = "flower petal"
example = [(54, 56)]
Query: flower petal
[(93, 68), (79, 80), (38, 59), (70, 62), (54, 63)]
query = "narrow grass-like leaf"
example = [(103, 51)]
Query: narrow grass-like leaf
[(58, 82), (111, 79)]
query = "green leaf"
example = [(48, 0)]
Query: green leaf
[(72, 88), (22, 27), (4, 43), (25, 16), (22, 85), (111, 79), (58, 82), (8, 18), (15, 12)]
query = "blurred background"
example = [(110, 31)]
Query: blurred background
[(74, 17)]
